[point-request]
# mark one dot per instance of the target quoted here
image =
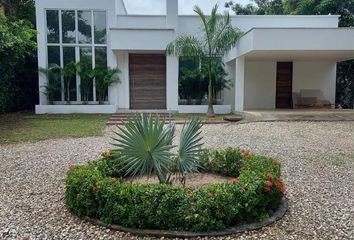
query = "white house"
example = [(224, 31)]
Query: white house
[(279, 61)]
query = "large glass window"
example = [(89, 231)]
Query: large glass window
[(52, 26), (81, 37), (68, 26), (100, 26), (69, 71), (86, 84), (54, 75), (85, 26)]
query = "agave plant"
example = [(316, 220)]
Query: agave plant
[(146, 147)]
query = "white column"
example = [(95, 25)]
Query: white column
[(172, 83), (240, 83), (42, 52), (123, 87)]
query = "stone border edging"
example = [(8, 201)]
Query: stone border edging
[(185, 234)]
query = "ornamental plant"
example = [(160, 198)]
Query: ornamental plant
[(146, 147), (98, 191)]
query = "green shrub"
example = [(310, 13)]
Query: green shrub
[(224, 161), (93, 190)]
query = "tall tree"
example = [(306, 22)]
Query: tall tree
[(219, 36), (18, 58)]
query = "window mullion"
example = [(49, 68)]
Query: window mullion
[(61, 54), (93, 54), (77, 58)]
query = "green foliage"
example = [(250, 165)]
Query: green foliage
[(53, 86), (189, 148), (224, 161), (160, 206), (84, 68), (219, 36), (79, 192), (104, 77), (260, 7), (17, 48), (145, 145), (193, 80)]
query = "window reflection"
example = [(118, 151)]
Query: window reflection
[(53, 26), (100, 26), (84, 24), (68, 26)]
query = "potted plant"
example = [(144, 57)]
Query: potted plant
[(69, 73), (84, 70), (53, 86), (104, 77)]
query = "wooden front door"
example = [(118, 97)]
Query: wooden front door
[(147, 80), (284, 85)]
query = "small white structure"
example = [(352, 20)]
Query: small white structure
[(276, 58)]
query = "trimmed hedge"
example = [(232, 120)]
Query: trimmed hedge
[(97, 190)]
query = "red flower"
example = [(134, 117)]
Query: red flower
[(114, 179), (280, 179), (268, 183), (234, 180), (94, 189), (267, 189), (72, 166), (210, 194), (282, 189), (269, 175), (246, 153), (279, 184)]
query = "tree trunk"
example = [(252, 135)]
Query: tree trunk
[(210, 112)]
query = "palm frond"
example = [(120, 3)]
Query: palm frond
[(189, 148), (185, 46), (145, 147)]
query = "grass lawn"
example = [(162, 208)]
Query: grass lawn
[(20, 127)]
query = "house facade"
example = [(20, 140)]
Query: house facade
[(279, 62)]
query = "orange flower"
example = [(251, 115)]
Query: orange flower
[(276, 162), (210, 194), (269, 175), (114, 179), (189, 193), (267, 189), (246, 153), (282, 189), (234, 180), (268, 183), (72, 166)]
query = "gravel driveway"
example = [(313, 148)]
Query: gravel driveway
[(317, 160)]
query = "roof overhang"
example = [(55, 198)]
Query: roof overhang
[(295, 44)]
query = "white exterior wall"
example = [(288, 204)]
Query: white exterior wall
[(316, 75), (254, 80), (229, 94), (260, 84)]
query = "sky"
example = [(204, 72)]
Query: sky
[(185, 6)]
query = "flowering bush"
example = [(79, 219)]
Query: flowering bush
[(253, 193)]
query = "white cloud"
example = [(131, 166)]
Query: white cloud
[(185, 6)]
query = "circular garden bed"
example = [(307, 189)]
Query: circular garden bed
[(251, 198)]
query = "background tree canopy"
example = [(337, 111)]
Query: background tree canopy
[(344, 8), (18, 57)]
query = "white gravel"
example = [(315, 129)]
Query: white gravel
[(317, 160)]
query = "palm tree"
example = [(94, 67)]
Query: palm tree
[(219, 38)]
